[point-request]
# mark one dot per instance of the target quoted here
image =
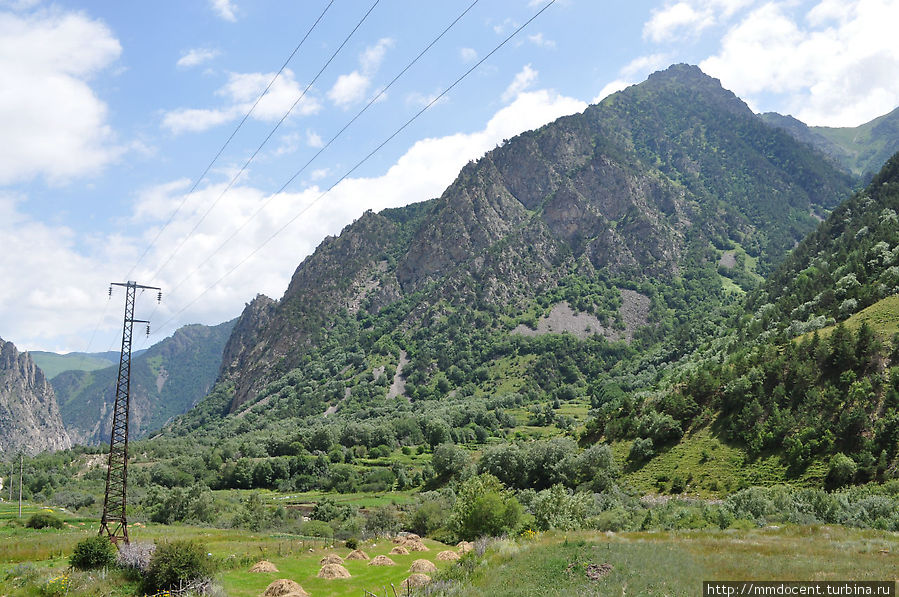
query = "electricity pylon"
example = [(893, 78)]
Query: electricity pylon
[(114, 523)]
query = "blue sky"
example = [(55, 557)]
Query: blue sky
[(110, 112)]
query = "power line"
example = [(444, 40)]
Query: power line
[(229, 139), (371, 102), (261, 145), (355, 167)]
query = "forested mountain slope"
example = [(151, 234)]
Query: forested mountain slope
[(645, 193), (166, 380)]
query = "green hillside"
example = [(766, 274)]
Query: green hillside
[(52, 364)]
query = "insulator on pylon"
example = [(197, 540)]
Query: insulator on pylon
[(148, 330), (159, 297), (110, 292)]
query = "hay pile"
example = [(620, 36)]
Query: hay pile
[(358, 554), (416, 580), (448, 556), (415, 545), (423, 566), (382, 561), (284, 588), (263, 566), (412, 537), (398, 540), (399, 550), (464, 547), (331, 558), (333, 571)]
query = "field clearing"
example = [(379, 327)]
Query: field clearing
[(554, 563), (676, 562)]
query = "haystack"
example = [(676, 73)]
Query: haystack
[(412, 537), (284, 588), (333, 571), (263, 566), (423, 566), (416, 580), (464, 547), (358, 554), (448, 556), (399, 550), (331, 558), (415, 545), (398, 540), (382, 561)]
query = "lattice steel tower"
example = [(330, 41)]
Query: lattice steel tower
[(114, 523)]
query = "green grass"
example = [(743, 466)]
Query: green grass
[(713, 467), (882, 316), (53, 364), (676, 563)]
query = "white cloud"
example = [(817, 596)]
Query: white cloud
[(681, 20), (468, 54), (225, 9), (241, 92), (313, 139), (350, 88), (51, 121), (609, 89), (524, 79), (538, 40), (63, 317), (837, 67), (196, 56)]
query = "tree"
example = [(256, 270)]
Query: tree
[(449, 460), (484, 507)]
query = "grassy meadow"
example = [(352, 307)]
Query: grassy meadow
[(552, 563)]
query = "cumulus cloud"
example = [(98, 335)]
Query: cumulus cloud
[(225, 9), (196, 56), (51, 121), (351, 88), (524, 79), (834, 66), (538, 40), (687, 18), (240, 92), (468, 54), (81, 273)]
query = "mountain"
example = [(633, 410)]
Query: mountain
[(862, 150), (633, 224), (52, 364), (29, 415), (166, 380), (823, 399)]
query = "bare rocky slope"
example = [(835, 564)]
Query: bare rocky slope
[(29, 415)]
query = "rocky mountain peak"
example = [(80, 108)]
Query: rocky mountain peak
[(29, 414)]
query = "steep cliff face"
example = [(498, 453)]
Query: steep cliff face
[(29, 415), (640, 187)]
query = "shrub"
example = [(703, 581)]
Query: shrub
[(317, 528), (641, 450), (135, 557), (559, 508), (351, 543), (842, 470), (484, 507), (93, 552), (177, 563), (42, 520)]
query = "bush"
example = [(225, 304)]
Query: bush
[(42, 520), (351, 543), (177, 563), (842, 470), (317, 528), (135, 557), (484, 507), (93, 552)]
